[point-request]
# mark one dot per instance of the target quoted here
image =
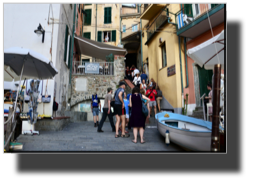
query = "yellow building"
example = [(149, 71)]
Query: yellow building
[(131, 33), (162, 57), (101, 23)]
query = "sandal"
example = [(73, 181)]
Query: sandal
[(134, 142), (117, 136), (125, 135)]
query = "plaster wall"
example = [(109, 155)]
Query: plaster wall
[(26, 18)]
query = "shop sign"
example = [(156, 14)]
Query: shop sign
[(92, 68), (171, 70)]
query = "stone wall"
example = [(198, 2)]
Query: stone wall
[(98, 83)]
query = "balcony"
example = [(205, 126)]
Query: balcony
[(105, 68), (156, 24), (130, 30), (151, 10), (191, 23), (130, 11)]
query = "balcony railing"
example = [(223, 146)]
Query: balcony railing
[(187, 15), (156, 24), (105, 68)]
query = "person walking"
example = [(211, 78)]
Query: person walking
[(128, 74), (137, 117), (159, 97), (132, 71), (95, 107), (144, 86), (152, 84), (144, 76), (137, 80), (151, 93), (119, 110), (107, 112), (209, 97)]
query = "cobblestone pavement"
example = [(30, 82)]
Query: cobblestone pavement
[(83, 136)]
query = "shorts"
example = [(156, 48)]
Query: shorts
[(95, 111), (152, 103), (158, 100), (118, 110), (127, 116)]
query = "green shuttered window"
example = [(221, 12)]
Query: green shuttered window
[(99, 36), (107, 15), (87, 35), (188, 10), (113, 35), (69, 53), (87, 17), (65, 44)]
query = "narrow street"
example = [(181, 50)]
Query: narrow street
[(83, 136)]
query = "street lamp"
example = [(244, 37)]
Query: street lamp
[(40, 31)]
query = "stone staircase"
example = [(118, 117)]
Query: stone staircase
[(198, 113)]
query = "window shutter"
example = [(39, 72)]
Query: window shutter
[(87, 35), (89, 17), (69, 53), (214, 5), (188, 10), (65, 44), (105, 15), (99, 36), (110, 14), (113, 35)]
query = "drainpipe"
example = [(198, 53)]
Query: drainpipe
[(71, 54), (186, 67), (120, 29), (96, 23)]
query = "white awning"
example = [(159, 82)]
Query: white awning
[(205, 54), (96, 49)]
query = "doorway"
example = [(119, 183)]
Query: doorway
[(131, 59), (205, 76)]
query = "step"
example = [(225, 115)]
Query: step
[(197, 108)]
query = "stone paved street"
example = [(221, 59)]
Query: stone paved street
[(82, 136)]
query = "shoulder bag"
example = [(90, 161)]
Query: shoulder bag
[(145, 110)]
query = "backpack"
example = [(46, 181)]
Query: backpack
[(55, 106), (95, 100)]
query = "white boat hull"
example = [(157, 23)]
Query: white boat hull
[(196, 141), (185, 133)]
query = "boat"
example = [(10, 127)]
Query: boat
[(190, 133)]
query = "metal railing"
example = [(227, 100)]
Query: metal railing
[(186, 15), (105, 68), (157, 23)]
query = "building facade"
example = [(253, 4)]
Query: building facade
[(53, 18), (194, 31)]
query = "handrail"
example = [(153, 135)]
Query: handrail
[(203, 106)]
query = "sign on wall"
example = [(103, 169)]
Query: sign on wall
[(92, 68), (85, 107), (81, 84), (171, 70)]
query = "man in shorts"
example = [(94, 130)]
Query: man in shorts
[(119, 110), (151, 93), (107, 112), (95, 107)]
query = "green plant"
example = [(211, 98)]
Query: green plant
[(184, 109)]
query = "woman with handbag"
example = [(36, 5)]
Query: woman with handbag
[(137, 117), (137, 80)]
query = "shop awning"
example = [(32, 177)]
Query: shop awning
[(205, 54), (96, 49)]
